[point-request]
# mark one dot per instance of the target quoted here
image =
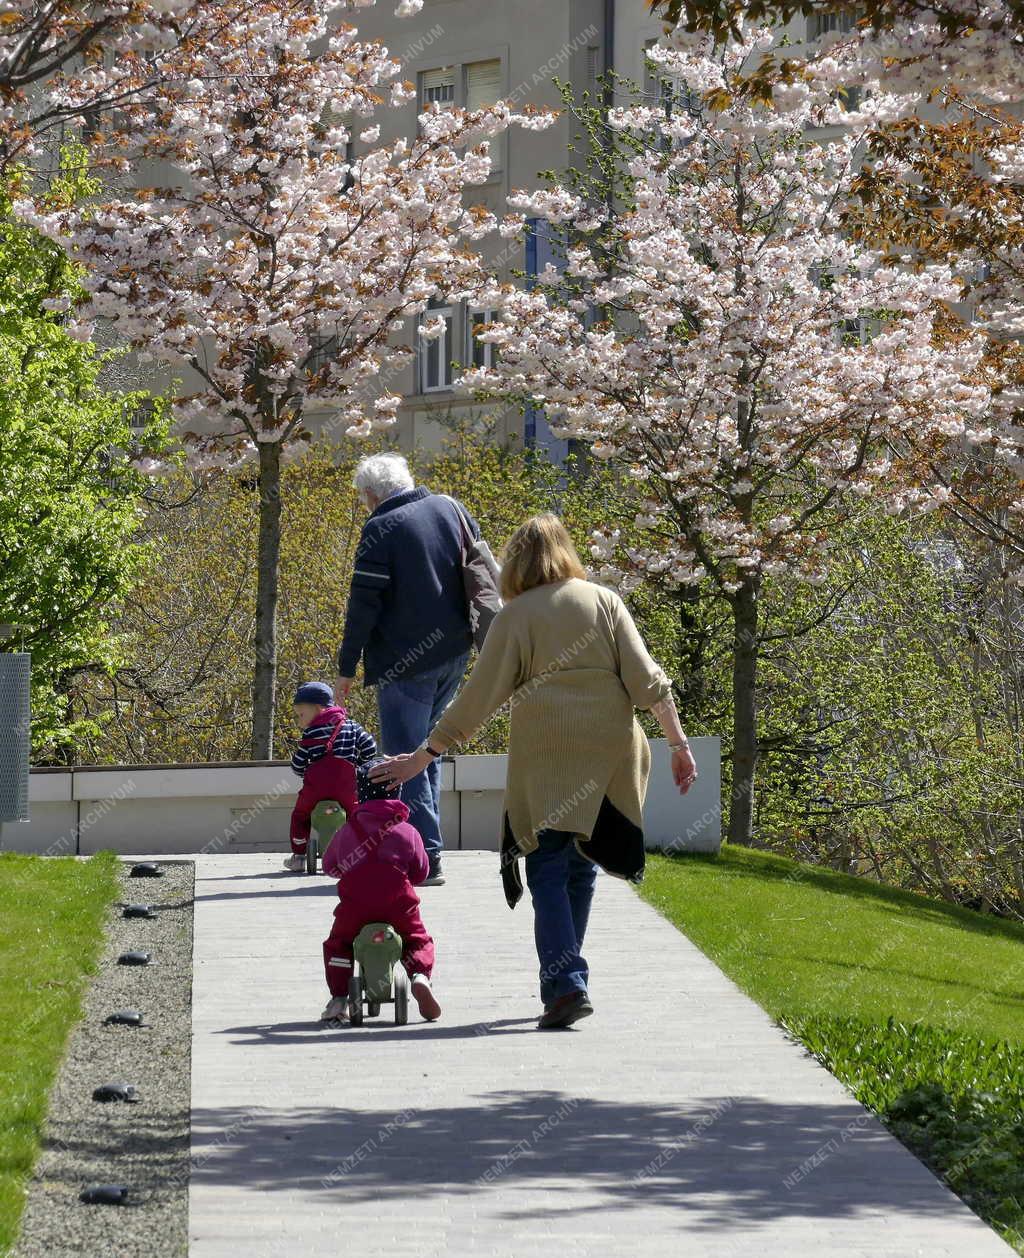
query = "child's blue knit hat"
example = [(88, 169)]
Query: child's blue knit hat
[(315, 692)]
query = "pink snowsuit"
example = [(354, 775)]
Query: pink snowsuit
[(377, 858)]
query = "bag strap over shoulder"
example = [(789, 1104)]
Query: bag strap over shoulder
[(467, 533)]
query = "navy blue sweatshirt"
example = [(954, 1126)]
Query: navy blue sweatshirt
[(407, 605)]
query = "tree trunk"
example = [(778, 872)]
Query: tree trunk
[(264, 678), (744, 694), (692, 691)]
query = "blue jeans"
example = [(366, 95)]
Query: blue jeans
[(409, 708), (561, 882)]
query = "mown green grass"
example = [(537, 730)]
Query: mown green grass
[(916, 1005), (51, 931)]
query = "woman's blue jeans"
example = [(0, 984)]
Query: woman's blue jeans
[(561, 883)]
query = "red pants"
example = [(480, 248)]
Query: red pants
[(349, 920)]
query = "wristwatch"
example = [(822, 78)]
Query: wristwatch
[(424, 746)]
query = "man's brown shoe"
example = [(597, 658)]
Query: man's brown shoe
[(565, 1011)]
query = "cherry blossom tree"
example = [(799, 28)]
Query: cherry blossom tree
[(943, 179), (284, 247), (980, 40), (710, 336)]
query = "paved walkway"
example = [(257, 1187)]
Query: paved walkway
[(676, 1121)]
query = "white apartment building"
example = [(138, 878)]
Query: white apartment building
[(468, 53), (471, 54)]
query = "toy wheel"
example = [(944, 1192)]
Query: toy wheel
[(312, 844), (373, 1008), (355, 999), (401, 981)]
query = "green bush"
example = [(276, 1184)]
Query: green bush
[(70, 494), (187, 628)]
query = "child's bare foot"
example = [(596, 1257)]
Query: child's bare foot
[(425, 998)]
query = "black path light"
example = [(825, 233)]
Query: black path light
[(146, 869), (125, 1092), (104, 1195), (139, 910), (135, 958), (123, 1017)]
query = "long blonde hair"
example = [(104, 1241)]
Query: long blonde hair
[(538, 552)]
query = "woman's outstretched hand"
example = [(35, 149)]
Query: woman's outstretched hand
[(398, 769), (684, 769)]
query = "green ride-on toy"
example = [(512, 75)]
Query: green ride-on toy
[(378, 976), (328, 817)]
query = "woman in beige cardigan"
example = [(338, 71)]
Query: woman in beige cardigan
[(567, 654)]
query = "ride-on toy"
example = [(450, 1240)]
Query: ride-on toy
[(327, 818), (378, 976)]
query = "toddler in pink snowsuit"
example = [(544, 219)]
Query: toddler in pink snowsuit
[(378, 859)]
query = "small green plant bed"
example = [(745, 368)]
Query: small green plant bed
[(956, 1101), (917, 1006), (51, 931)]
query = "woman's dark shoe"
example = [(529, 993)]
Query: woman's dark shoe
[(565, 1011)]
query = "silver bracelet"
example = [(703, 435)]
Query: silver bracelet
[(683, 746)]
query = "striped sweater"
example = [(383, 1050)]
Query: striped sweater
[(353, 742)]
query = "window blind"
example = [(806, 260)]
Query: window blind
[(438, 86), (593, 65), (483, 83), (824, 23)]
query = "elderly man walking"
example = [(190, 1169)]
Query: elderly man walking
[(407, 620)]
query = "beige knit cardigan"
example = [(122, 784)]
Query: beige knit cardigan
[(574, 666)]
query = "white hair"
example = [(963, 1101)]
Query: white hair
[(382, 475)]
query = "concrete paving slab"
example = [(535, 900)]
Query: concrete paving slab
[(678, 1120)]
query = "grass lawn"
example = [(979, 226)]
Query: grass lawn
[(916, 1005), (51, 932)]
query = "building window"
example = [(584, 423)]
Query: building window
[(436, 355), (437, 87), (481, 353), (858, 331), (593, 66), (661, 90), (483, 83), (324, 348), (143, 415), (841, 22), (851, 97), (470, 85)]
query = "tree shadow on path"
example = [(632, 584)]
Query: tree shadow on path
[(721, 1162)]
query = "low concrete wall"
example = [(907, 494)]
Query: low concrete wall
[(245, 807)]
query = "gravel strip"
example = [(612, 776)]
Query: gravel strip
[(144, 1145)]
